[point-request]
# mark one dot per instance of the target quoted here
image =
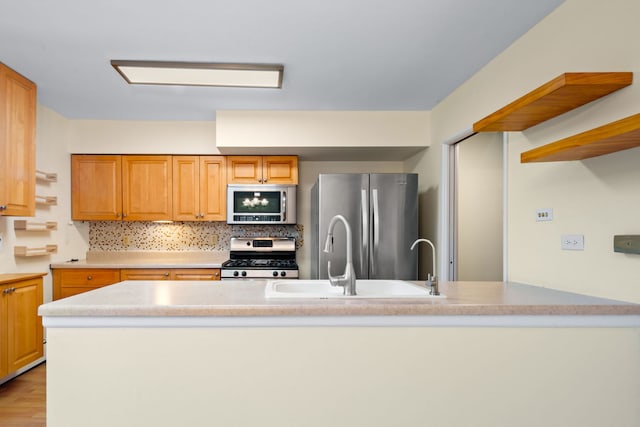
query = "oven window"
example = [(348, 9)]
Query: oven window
[(253, 202)]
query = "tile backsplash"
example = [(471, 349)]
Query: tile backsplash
[(179, 236)]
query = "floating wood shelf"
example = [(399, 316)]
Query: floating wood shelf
[(32, 225), (26, 251), (46, 176), (612, 137), (556, 97), (47, 200)]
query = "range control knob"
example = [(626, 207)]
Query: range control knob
[(283, 273), (244, 274), (274, 274), (236, 274)]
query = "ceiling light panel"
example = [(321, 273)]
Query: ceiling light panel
[(200, 74)]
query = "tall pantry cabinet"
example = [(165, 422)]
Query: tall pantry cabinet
[(17, 143)]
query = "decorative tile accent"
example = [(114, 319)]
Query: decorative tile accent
[(179, 236)]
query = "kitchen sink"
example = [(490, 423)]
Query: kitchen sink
[(322, 289)]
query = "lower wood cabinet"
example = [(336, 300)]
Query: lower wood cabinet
[(170, 274), (72, 281), (21, 336)]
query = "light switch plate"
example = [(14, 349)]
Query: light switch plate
[(544, 215), (572, 242)]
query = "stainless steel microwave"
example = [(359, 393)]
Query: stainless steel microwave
[(261, 204)]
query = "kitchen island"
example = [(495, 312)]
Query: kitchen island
[(203, 353)]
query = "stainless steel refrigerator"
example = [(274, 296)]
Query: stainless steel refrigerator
[(382, 210)]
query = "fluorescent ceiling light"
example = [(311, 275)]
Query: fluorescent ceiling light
[(200, 74)]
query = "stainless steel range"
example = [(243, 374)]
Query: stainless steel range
[(261, 258)]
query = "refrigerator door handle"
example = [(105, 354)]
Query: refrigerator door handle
[(364, 250), (376, 220)]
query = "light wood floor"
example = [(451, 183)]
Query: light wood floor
[(22, 400)]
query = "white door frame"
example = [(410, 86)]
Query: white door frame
[(448, 229)]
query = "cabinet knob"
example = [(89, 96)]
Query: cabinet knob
[(6, 291), (89, 277), (118, 215), (3, 207), (264, 180), (166, 274), (124, 215)]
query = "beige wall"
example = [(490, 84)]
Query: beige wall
[(479, 193), (598, 197), (347, 376), (323, 128), (141, 137)]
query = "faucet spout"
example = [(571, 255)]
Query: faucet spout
[(348, 279), (432, 280)]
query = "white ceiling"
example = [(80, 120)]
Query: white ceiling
[(337, 54)]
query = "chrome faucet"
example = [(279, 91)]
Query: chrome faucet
[(432, 280), (348, 279)]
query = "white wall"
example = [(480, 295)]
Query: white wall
[(598, 197)]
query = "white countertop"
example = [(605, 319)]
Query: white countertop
[(148, 259), (242, 303)]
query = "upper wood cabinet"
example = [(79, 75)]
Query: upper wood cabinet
[(199, 184), (133, 188), (96, 187), (262, 169), (17, 143), (147, 188)]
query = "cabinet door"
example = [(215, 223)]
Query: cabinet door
[(196, 274), (4, 368), (96, 187), (280, 169), (213, 188), (145, 274), (24, 336), (244, 169), (186, 194), (146, 188), (73, 281), (17, 144)]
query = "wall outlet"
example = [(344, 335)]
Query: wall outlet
[(214, 239), (572, 242), (544, 215), (125, 240)]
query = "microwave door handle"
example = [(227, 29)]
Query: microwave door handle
[(364, 250), (283, 207)]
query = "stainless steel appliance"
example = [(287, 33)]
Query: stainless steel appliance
[(261, 204), (261, 258), (382, 210)]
